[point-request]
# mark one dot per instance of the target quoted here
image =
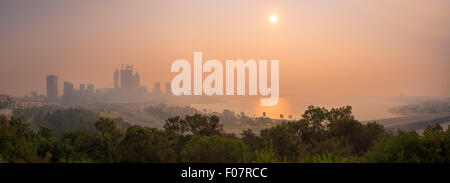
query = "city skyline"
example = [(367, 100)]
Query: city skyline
[(346, 48), (126, 86)]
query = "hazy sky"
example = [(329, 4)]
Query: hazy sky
[(325, 48)]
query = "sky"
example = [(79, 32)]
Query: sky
[(325, 47)]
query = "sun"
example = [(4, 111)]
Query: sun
[(273, 18)]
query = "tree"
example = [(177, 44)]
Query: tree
[(109, 136), (437, 143), (84, 146), (266, 155), (214, 149), (16, 142), (253, 141), (177, 125), (287, 139), (340, 114), (71, 119), (317, 117), (4, 120), (143, 144), (45, 131), (204, 125), (403, 147)]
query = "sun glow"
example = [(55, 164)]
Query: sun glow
[(273, 18)]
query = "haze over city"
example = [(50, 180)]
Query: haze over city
[(225, 81), (345, 48)]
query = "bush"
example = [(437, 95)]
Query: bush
[(405, 147), (214, 149), (143, 144)]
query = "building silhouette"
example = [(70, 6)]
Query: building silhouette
[(127, 88), (68, 92), (52, 88), (90, 90), (157, 89), (116, 79), (136, 81), (126, 76)]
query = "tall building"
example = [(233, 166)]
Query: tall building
[(157, 89), (116, 79), (68, 92), (136, 81), (90, 90), (127, 86), (52, 88), (126, 76), (82, 89)]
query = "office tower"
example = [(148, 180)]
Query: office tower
[(82, 90), (90, 90), (136, 81), (143, 91), (157, 89), (52, 88), (68, 89), (126, 76), (116, 79), (68, 92)]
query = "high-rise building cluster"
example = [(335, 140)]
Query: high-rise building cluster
[(84, 94), (127, 85), (127, 88)]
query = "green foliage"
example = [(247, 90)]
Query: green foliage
[(331, 158), (433, 146), (321, 131), (63, 120), (437, 141), (71, 119), (253, 141), (195, 124), (16, 142), (36, 115), (85, 147), (214, 149), (143, 144), (287, 139), (176, 125), (109, 136), (266, 155), (321, 136), (403, 148), (45, 132), (3, 120)]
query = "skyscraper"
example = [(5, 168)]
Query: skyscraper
[(136, 81), (90, 90), (116, 79), (126, 76), (52, 88), (157, 89), (68, 93), (82, 89)]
